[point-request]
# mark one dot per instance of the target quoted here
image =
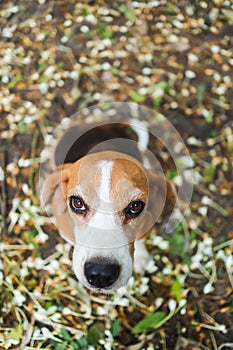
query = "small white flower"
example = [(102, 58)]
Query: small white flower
[(217, 77), (178, 180), (11, 342), (220, 255), (29, 263), (7, 32), (18, 298), (206, 200), (146, 71), (106, 66), (49, 71), (64, 39), (163, 245), (121, 291), (208, 241), (43, 87), (5, 79), (74, 75), (221, 90), (40, 314), (60, 248), (48, 17), (167, 271), (207, 288), (37, 293), (158, 92), (108, 334), (23, 272), (215, 49), (197, 258), (158, 302), (159, 242), (222, 328), (172, 305), (67, 311), (36, 334), (190, 74), (101, 311), (185, 162), (123, 29), (60, 83), (84, 29), (51, 310), (145, 280), (203, 211), (192, 58), (143, 289), (42, 237), (121, 301), (67, 23), (143, 90), (52, 84), (56, 317), (39, 263), (151, 267), (46, 332), (129, 284), (91, 18), (182, 305), (193, 141), (147, 57), (107, 42), (24, 163), (53, 266)]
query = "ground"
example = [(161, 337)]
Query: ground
[(175, 57)]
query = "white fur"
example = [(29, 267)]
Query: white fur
[(121, 255), (141, 257), (142, 132), (104, 189), (102, 237), (104, 215)]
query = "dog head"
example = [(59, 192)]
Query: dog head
[(103, 203)]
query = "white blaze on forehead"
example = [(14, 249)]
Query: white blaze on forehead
[(104, 189), (104, 219)]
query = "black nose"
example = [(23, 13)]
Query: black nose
[(101, 275)]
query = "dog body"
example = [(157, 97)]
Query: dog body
[(103, 203)]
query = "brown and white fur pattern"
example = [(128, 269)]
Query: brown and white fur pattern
[(105, 204)]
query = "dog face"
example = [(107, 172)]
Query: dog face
[(103, 203)]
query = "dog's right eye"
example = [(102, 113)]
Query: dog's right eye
[(134, 209), (77, 205)]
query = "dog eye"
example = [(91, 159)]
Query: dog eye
[(134, 209), (77, 204)]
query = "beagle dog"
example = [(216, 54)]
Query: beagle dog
[(106, 200)]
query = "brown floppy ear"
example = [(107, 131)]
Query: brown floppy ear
[(162, 195), (55, 186)]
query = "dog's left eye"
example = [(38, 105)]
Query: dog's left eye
[(134, 208), (77, 204)]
